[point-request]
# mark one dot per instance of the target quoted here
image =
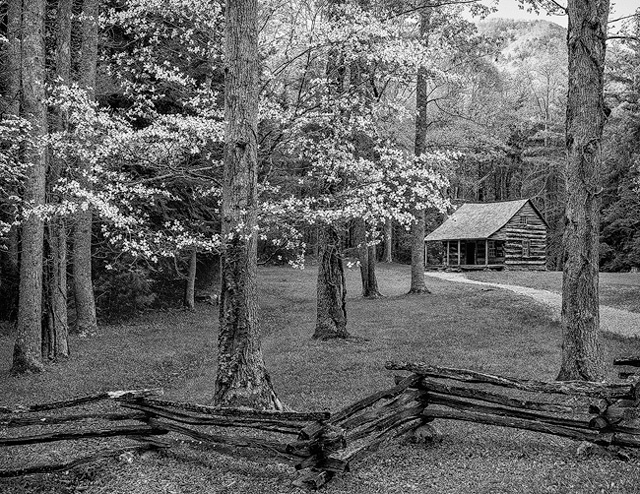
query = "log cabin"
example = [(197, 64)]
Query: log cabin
[(498, 235)]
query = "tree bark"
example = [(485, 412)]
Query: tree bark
[(242, 378), (373, 280), (367, 259), (11, 276), (417, 254), (581, 352), (418, 226), (12, 60), (12, 75), (55, 330), (388, 241), (331, 311), (27, 349), (55, 341), (82, 283), (190, 288), (331, 307)]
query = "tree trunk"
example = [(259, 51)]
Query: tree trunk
[(82, 283), (417, 254), (581, 352), (242, 378), (367, 259), (12, 75), (27, 350), (11, 276), (208, 274), (388, 241), (418, 226), (55, 330), (331, 310), (331, 307), (55, 341), (372, 282), (190, 287)]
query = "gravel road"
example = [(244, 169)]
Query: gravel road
[(618, 321)]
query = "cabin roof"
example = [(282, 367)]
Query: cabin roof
[(478, 220)]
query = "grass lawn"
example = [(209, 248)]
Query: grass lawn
[(619, 290), (457, 325)]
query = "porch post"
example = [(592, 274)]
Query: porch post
[(486, 252), (458, 252), (447, 252)]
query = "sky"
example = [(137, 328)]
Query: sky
[(510, 9)]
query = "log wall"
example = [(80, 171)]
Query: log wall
[(515, 233)]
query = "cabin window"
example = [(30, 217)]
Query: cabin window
[(524, 220), (526, 248), (492, 249)]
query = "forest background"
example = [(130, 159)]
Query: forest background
[(144, 150)]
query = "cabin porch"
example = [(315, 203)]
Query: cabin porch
[(474, 254)]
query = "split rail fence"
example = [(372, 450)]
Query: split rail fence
[(322, 444)]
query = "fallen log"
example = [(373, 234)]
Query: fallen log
[(82, 400), (479, 394), (237, 412), (385, 422), (271, 425), (319, 475), (314, 429), (633, 361), (604, 439), (623, 415), (465, 404), (23, 420), (370, 400), (572, 388), (373, 414), (239, 441), (373, 443), (125, 430)]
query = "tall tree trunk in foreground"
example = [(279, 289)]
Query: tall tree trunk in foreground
[(27, 350), (581, 353), (331, 308), (190, 288), (82, 283), (418, 226), (12, 98), (360, 83), (242, 378), (367, 258), (388, 241), (55, 341), (12, 75)]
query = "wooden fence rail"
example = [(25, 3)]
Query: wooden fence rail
[(320, 444)]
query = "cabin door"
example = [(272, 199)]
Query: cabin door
[(471, 252)]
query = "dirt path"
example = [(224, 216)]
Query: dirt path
[(618, 321)]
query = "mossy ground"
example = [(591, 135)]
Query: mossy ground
[(456, 325)]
